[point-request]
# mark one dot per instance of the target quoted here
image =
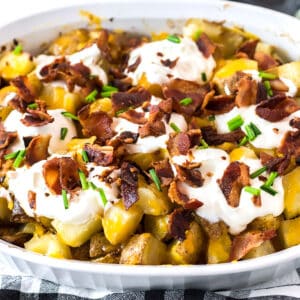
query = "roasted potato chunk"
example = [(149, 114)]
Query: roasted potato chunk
[(119, 224), (144, 249), (289, 232), (158, 226), (268, 222), (189, 250), (100, 246), (264, 249)]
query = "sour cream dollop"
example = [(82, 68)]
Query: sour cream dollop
[(215, 207), (190, 62), (56, 145)]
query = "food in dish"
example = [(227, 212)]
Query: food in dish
[(165, 149)]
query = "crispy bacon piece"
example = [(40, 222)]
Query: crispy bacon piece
[(278, 164), (178, 197), (129, 184), (37, 117), (61, 173), (18, 214), (178, 144), (133, 116), (25, 91), (246, 92), (265, 61), (235, 177), (277, 108), (164, 171), (247, 49), (219, 104), (247, 241), (295, 123), (256, 200), (101, 156), (6, 137), (166, 105), (32, 199), (261, 94), (179, 89), (290, 145), (37, 149), (134, 66), (131, 99), (179, 221), (169, 63), (205, 45), (192, 177), (212, 137), (128, 137), (95, 123)]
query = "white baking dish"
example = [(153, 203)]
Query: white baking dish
[(148, 16)]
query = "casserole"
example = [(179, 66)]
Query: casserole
[(226, 11)]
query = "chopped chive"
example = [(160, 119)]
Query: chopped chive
[(197, 34), (258, 172), (109, 88), (12, 155), (268, 87), (32, 106), (65, 198), (268, 190), (121, 111), (103, 196), (18, 50), (92, 185), (83, 181), (252, 190), (243, 141), (266, 75), (211, 118), (186, 101), (271, 179), (19, 159), (155, 179), (69, 115), (203, 76), (255, 129), (235, 123), (84, 156), (175, 127), (250, 133), (204, 145), (173, 38), (63, 133), (91, 97), (107, 94)]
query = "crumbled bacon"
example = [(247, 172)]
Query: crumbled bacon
[(219, 104), (179, 89), (131, 99), (37, 117), (25, 91), (212, 137), (278, 164), (129, 184), (192, 177), (295, 123), (256, 200), (235, 177), (277, 108), (178, 197), (179, 221), (37, 149), (290, 144), (61, 173), (265, 61), (205, 45), (247, 49), (246, 92), (32, 199), (166, 105), (164, 171), (169, 63), (96, 123), (261, 94), (6, 137), (133, 116), (128, 137), (102, 156), (247, 241), (134, 66), (178, 144)]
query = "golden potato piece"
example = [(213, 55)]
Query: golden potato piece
[(291, 193), (157, 226), (189, 250), (49, 245), (75, 235), (100, 246), (144, 249), (119, 224), (268, 222), (5, 212), (264, 249), (242, 152), (289, 232)]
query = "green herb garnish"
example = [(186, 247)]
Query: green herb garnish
[(63, 133), (175, 127), (18, 50), (83, 181), (174, 38), (19, 158), (203, 143), (186, 101), (258, 172), (252, 190), (268, 87), (203, 76), (69, 115), (155, 179), (244, 141), (84, 156), (103, 196), (268, 190), (250, 133), (266, 75), (211, 118), (271, 179), (12, 155), (235, 123), (91, 97), (32, 106), (65, 199)]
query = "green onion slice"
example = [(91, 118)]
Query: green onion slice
[(175, 127), (268, 88), (243, 141), (18, 50), (174, 38), (198, 34), (32, 106), (258, 172), (65, 198), (252, 190), (109, 88), (83, 181), (19, 158), (250, 133), (271, 179), (12, 155), (84, 156), (63, 133), (155, 179), (103, 196), (203, 143), (266, 75), (255, 129), (91, 97), (268, 190), (203, 76), (69, 115), (235, 123), (186, 101)]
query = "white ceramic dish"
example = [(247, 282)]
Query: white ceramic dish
[(148, 16)]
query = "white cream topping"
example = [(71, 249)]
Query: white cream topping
[(56, 145), (215, 207), (272, 133), (90, 57), (190, 64), (83, 206)]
